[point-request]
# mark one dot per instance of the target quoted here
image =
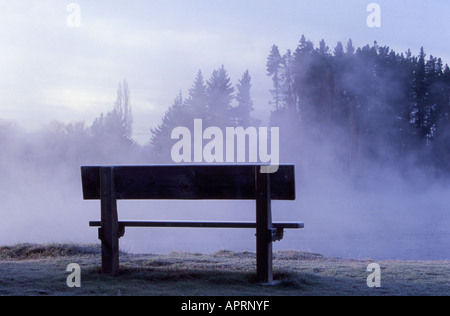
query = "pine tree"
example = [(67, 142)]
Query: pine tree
[(303, 57), (420, 95), (441, 145), (339, 50), (161, 136), (245, 104), (287, 83), (273, 66), (305, 47), (350, 50), (197, 100), (219, 95), (321, 79), (323, 48)]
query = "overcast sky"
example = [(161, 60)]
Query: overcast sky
[(50, 71)]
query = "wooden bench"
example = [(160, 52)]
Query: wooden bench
[(189, 182)]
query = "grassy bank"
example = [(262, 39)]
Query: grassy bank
[(41, 270)]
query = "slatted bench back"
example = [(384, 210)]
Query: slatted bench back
[(193, 182)]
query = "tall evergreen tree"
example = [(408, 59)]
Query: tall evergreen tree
[(220, 94), (420, 95), (176, 116), (244, 102), (304, 54), (350, 50), (198, 99), (287, 83), (273, 67), (339, 50)]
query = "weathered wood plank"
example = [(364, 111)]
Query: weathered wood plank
[(189, 182)]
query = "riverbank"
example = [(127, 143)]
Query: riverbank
[(33, 270)]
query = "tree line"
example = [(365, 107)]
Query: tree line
[(374, 103), (383, 103), (58, 145), (215, 101)]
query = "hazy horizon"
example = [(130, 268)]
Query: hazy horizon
[(52, 72)]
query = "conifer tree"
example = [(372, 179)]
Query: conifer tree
[(244, 102), (197, 101), (219, 96), (273, 66), (175, 116)]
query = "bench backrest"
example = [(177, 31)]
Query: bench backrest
[(188, 182)]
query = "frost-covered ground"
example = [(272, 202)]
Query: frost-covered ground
[(41, 270)]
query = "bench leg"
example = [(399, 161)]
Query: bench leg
[(263, 228), (109, 232)]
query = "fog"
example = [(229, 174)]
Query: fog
[(369, 184), (377, 212)]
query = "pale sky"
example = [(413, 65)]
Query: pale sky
[(49, 71)]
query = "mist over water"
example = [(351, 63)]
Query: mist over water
[(380, 213), (380, 208), (379, 205), (381, 216)]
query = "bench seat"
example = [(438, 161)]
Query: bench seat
[(190, 224)]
